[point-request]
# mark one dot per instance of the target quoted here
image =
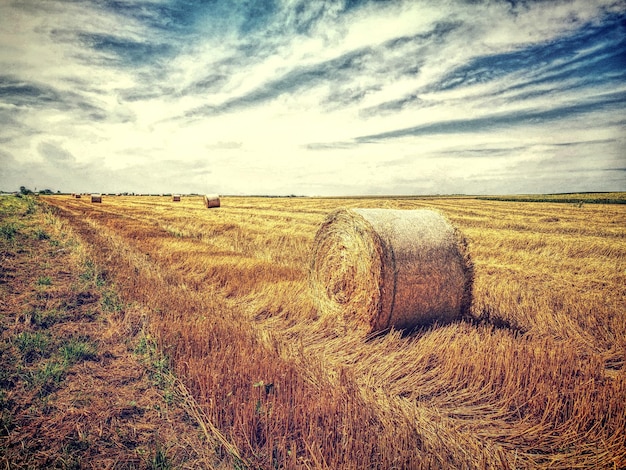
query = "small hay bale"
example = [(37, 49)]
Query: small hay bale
[(77, 196), (211, 200), (176, 197), (380, 268), (96, 198)]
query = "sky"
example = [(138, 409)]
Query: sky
[(313, 97)]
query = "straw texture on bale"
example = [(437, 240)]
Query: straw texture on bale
[(380, 268), (176, 197), (211, 200), (96, 198)]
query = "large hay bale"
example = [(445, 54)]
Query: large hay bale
[(96, 198), (176, 197), (211, 200), (379, 268)]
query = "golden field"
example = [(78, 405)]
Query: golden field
[(533, 378)]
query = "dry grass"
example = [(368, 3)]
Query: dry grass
[(75, 392), (534, 378)]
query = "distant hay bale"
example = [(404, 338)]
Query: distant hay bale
[(96, 198), (77, 196), (211, 200), (176, 197), (382, 268)]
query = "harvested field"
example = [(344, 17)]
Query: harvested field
[(533, 377), (80, 383)]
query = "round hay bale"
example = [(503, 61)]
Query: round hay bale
[(77, 196), (176, 197), (211, 200), (96, 198), (380, 268)]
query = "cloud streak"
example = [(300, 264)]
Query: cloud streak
[(289, 96), (612, 103)]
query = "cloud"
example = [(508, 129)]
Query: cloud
[(299, 78), (605, 103), (55, 154), (119, 51), (346, 77), (221, 145), (591, 55), (290, 96), (19, 93)]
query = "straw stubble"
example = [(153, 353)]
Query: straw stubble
[(375, 269)]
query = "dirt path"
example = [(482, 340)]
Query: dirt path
[(81, 385)]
